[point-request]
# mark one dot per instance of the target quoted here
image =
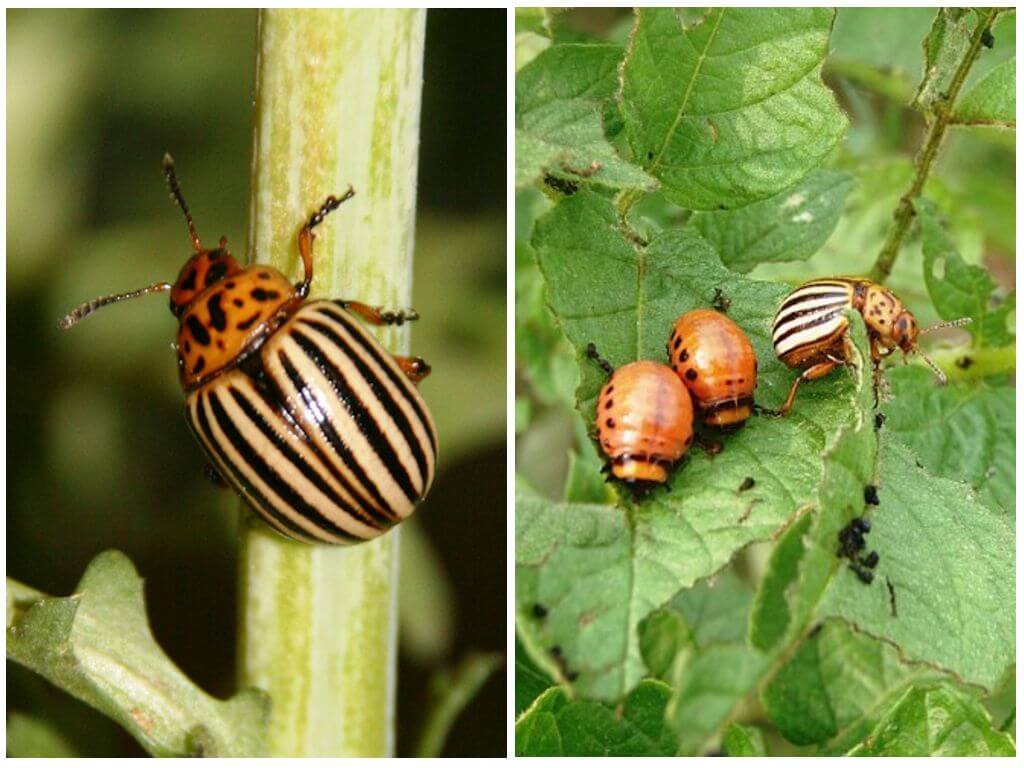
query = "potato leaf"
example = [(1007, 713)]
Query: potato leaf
[(991, 101), (97, 646), (731, 108)]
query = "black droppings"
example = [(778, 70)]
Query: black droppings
[(747, 484), (879, 420), (539, 611), (871, 495)]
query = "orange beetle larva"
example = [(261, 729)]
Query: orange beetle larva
[(715, 360), (644, 420)]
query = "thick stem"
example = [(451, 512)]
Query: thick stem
[(337, 103), (904, 214)]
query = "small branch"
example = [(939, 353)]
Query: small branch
[(926, 157)]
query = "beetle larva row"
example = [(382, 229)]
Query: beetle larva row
[(322, 434)]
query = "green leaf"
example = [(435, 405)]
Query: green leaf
[(664, 634), (944, 48), (743, 741), (936, 720), (790, 226), (993, 100), (563, 100), (964, 431), (558, 726), (835, 687), (716, 609), (451, 693), (531, 681), (959, 289), (602, 569), (97, 646), (707, 685), (770, 617), (950, 561), (730, 109), (883, 41)]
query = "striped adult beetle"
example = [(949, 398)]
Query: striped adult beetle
[(809, 330), (298, 407)]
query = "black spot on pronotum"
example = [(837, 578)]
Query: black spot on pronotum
[(259, 294), (691, 374), (871, 495), (539, 611), (747, 484), (198, 330), (238, 302), (264, 275), (200, 364), (247, 323), (610, 423), (217, 317)]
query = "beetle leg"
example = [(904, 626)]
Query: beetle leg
[(814, 372), (415, 368), (306, 237), (379, 315)]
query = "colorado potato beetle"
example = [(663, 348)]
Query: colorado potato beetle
[(809, 330), (715, 360), (298, 407), (644, 420)]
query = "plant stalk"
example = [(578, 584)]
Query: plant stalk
[(904, 214), (337, 102)]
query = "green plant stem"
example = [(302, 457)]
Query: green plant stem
[(904, 214), (452, 692), (337, 103)]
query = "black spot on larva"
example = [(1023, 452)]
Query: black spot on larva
[(238, 302), (684, 356), (217, 317), (609, 403), (198, 330), (610, 389), (200, 364), (728, 382), (246, 324), (216, 272), (261, 295), (677, 342), (189, 283), (610, 423), (691, 374), (871, 495), (230, 284)]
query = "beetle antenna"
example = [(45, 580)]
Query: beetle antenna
[(172, 182), (935, 369), (330, 204), (84, 310), (959, 323)]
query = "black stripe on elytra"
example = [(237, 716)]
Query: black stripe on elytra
[(357, 409), (338, 445), (800, 298), (217, 317), (198, 330), (373, 348), (827, 309), (379, 391), (820, 320), (296, 460), (261, 468), (228, 469)]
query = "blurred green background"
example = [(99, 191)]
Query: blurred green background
[(100, 456)]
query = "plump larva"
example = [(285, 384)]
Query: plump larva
[(298, 407), (809, 330), (644, 421), (715, 360)]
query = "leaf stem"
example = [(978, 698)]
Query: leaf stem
[(452, 692), (337, 103), (904, 213)]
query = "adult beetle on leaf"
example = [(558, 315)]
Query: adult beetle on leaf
[(297, 406), (810, 328)]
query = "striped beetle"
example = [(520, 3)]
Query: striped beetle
[(298, 407), (809, 330)]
